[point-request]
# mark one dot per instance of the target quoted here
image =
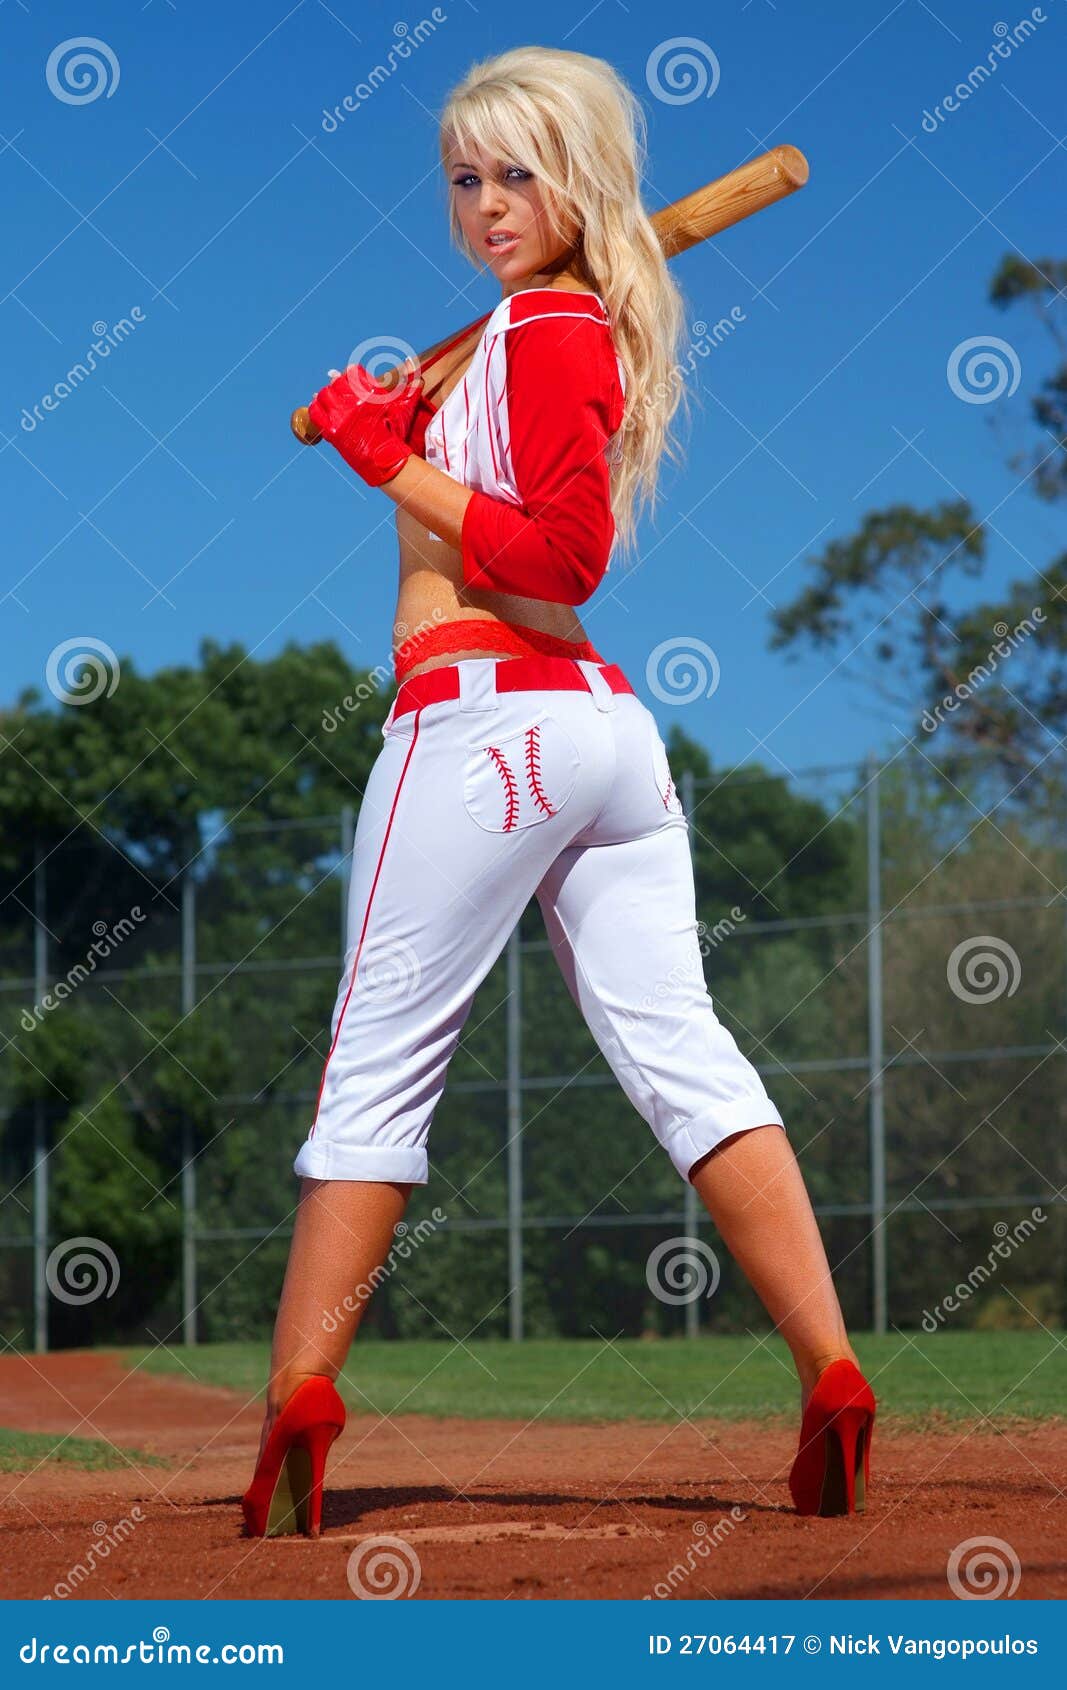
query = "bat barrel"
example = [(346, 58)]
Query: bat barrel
[(741, 192), (793, 165)]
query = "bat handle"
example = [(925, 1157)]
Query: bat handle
[(303, 427)]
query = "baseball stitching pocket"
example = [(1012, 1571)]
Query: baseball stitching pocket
[(522, 778), (661, 774)]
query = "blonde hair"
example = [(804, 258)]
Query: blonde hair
[(576, 125)]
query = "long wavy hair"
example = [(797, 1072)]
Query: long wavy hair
[(576, 125)]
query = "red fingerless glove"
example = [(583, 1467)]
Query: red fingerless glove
[(367, 423)]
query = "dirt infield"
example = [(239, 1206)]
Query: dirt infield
[(501, 1508)]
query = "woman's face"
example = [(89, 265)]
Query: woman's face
[(504, 216)]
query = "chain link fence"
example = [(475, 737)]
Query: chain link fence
[(897, 971)]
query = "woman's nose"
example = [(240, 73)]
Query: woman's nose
[(491, 201)]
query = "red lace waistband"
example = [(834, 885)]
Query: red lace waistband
[(476, 633)]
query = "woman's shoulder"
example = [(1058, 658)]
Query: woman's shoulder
[(528, 304), (552, 315), (555, 349)]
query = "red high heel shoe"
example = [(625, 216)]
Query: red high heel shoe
[(833, 1463), (286, 1490)]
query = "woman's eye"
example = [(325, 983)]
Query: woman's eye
[(512, 170)]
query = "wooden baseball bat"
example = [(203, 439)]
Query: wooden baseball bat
[(706, 212)]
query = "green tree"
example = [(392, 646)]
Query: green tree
[(993, 674)]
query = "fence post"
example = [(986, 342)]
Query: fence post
[(514, 1131), (188, 1005), (691, 1203), (40, 1150), (876, 1049)]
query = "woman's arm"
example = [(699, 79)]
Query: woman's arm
[(561, 404)]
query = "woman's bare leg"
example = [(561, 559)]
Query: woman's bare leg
[(752, 1188), (343, 1232)]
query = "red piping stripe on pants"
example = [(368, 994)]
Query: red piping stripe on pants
[(366, 917)]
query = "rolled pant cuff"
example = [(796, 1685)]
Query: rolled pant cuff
[(319, 1159), (693, 1139)]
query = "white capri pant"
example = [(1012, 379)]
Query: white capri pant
[(498, 779)]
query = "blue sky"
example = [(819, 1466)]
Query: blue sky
[(165, 499)]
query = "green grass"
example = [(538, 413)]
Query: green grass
[(917, 1378), (22, 1450)]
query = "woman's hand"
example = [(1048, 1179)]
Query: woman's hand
[(366, 422)]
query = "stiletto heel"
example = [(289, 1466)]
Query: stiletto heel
[(832, 1469), (286, 1490), (309, 1494)]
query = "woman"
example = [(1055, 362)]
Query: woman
[(517, 761)]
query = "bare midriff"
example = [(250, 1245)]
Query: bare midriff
[(429, 605)]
